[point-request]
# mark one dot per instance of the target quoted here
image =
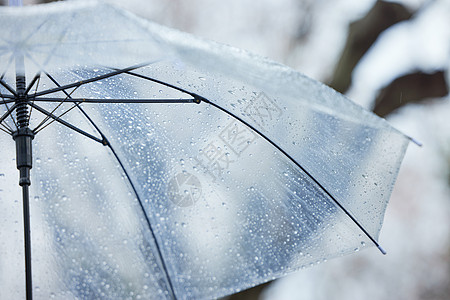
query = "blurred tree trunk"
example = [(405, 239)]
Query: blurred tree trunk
[(361, 36), (409, 88)]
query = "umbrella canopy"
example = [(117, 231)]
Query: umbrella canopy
[(167, 166)]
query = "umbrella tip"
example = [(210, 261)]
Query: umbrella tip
[(381, 250), (416, 142)]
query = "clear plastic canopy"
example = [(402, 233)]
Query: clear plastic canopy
[(201, 200)]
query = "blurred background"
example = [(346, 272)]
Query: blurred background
[(391, 57)]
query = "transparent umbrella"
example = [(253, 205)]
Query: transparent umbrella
[(154, 164)]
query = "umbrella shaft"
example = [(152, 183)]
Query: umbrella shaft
[(27, 240), (23, 138)]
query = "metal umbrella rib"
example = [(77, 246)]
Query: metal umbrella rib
[(108, 100), (90, 80)]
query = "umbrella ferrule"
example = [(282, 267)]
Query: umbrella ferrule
[(24, 159)]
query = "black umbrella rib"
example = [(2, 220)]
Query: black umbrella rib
[(196, 97), (10, 99), (6, 114), (302, 168), (141, 205), (90, 80), (58, 119), (102, 100), (33, 81), (10, 89)]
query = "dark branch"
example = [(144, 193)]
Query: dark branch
[(362, 35), (410, 88)]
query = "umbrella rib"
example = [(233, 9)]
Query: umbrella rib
[(10, 97), (159, 82), (41, 126), (35, 90), (141, 205), (8, 113), (5, 130), (302, 168), (90, 80), (100, 100), (9, 88), (8, 64), (67, 124), (35, 78), (51, 113), (5, 127)]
